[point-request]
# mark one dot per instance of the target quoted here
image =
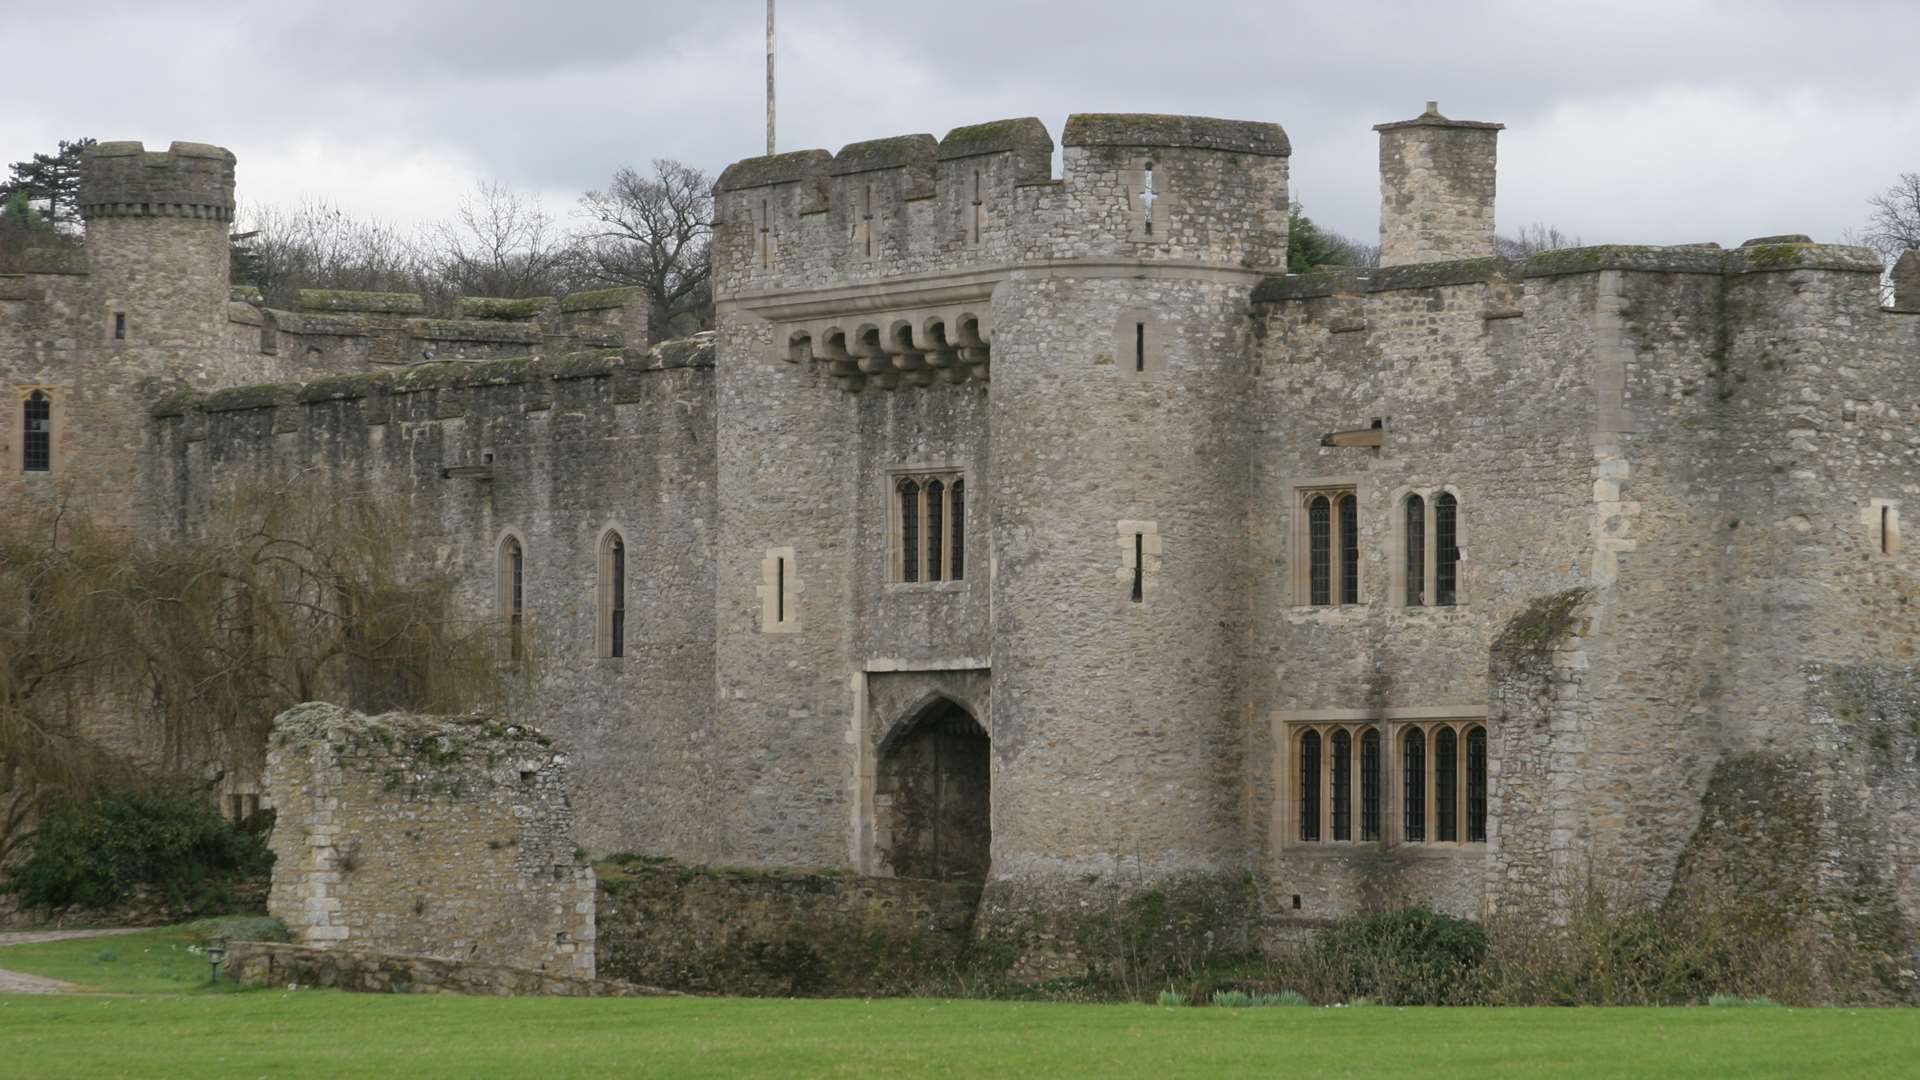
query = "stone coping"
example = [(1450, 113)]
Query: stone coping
[(996, 136), (694, 352), (1684, 259), (1192, 132)]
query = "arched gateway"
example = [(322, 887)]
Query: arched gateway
[(931, 796)]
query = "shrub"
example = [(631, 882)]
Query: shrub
[(1283, 998), (1413, 956), (1172, 998), (1232, 999), (95, 853)]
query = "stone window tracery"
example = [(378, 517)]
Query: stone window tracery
[(1339, 791), (1328, 547), (929, 527), (1427, 567)]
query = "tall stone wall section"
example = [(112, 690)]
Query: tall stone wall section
[(1693, 448), (426, 836), (555, 453), (898, 268)]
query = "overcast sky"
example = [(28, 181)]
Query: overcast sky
[(1666, 122)]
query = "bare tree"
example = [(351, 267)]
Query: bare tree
[(655, 232), (125, 665), (317, 245), (1894, 225), (499, 243), (1532, 240)]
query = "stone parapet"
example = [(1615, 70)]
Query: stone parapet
[(125, 179)]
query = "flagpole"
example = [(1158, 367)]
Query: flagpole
[(769, 78)]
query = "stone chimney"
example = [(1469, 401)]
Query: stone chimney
[(1436, 188)]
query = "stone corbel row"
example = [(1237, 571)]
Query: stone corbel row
[(887, 351)]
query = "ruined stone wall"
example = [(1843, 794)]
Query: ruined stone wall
[(718, 931), (427, 836), (564, 450)]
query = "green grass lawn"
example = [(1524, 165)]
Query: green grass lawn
[(185, 1031), (152, 961), (320, 1033)]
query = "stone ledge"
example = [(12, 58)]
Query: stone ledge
[(263, 963), (1191, 132)]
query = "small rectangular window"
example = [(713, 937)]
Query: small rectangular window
[(119, 326), (1139, 566)]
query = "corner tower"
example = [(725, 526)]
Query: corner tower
[(1119, 411), (157, 247)]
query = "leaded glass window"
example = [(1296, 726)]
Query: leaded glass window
[(1477, 785), (1413, 787), (1446, 559), (1319, 550), (1342, 775), (1349, 550), (1446, 787), (1416, 551), (38, 444), (1310, 785), (1370, 785)]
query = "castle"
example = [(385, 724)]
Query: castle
[(1045, 531)]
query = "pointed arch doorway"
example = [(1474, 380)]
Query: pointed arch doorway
[(932, 795)]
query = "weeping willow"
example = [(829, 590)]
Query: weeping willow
[(128, 664)]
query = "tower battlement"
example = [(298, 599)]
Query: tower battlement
[(1176, 189), (125, 179)]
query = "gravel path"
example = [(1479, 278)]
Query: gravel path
[(14, 982)]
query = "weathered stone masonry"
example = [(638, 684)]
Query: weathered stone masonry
[(1671, 482), (443, 838)]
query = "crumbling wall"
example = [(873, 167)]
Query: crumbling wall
[(778, 932), (428, 836)]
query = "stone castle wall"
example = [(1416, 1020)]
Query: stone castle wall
[(1663, 441), (420, 835), (566, 449)]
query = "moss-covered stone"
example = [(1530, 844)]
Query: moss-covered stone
[(1194, 132), (774, 169), (489, 307), (584, 365), (245, 294), (343, 300), (1543, 625), (342, 387), (1026, 133), (900, 151), (259, 396)]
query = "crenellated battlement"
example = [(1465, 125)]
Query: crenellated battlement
[(125, 179), (1169, 189)]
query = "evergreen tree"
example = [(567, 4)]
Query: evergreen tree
[(49, 179)]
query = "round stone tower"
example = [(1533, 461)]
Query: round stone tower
[(157, 247), (1121, 381)]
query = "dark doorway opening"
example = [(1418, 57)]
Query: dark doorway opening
[(931, 797)]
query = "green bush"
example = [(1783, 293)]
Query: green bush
[(239, 928), (1171, 998), (95, 853), (1232, 999), (1284, 998), (1413, 956)]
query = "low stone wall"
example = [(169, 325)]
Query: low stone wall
[(774, 933), (261, 963), (444, 837)]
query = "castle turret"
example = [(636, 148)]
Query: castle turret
[(1436, 188), (1119, 413), (157, 247)]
